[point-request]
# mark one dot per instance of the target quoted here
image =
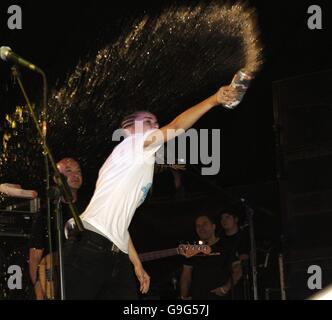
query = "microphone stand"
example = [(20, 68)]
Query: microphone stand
[(246, 281), (48, 156), (59, 227)]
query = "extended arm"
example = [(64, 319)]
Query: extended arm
[(188, 118)]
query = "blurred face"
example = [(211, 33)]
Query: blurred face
[(205, 228), (71, 169), (228, 222), (148, 120)]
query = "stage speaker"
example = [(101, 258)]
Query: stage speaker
[(303, 136)]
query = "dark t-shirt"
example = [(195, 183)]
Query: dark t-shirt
[(238, 243), (210, 272), (39, 232)]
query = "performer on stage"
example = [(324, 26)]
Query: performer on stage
[(201, 274), (39, 252), (98, 262), (237, 243)]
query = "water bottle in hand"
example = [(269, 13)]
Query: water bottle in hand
[(241, 83)]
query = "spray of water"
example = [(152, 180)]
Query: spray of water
[(162, 63)]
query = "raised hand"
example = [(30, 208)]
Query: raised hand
[(226, 95)]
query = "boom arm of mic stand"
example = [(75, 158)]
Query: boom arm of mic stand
[(46, 150), (64, 189)]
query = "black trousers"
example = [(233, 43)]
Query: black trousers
[(93, 271)]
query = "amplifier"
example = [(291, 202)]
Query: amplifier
[(16, 219), (30, 206)]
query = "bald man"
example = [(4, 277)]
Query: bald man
[(39, 249), (72, 170)]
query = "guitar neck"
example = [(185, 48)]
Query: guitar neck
[(154, 255)]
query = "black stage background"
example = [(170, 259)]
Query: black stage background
[(255, 153)]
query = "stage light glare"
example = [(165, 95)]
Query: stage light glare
[(325, 294)]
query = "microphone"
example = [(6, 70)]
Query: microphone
[(7, 54)]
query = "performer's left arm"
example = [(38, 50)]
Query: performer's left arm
[(142, 276)]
